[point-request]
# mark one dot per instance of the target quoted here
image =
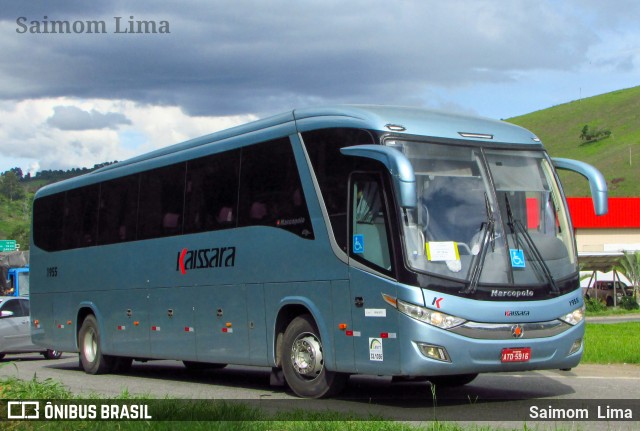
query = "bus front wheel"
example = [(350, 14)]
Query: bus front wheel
[(91, 357), (303, 361)]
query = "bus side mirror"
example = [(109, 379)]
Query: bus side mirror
[(402, 174), (597, 183)]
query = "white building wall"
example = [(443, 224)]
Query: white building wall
[(607, 240)]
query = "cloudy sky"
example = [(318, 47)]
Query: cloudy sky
[(76, 98)]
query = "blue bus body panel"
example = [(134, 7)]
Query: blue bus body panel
[(154, 299)]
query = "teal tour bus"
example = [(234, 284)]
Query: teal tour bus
[(320, 243)]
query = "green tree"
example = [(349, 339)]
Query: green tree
[(10, 186), (629, 266)]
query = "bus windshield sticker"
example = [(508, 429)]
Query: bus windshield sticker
[(358, 244), (375, 312), (438, 251), (517, 258), (375, 349)]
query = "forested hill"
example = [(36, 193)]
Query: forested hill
[(603, 131)]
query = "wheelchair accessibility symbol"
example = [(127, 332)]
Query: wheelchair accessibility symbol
[(358, 244), (517, 258)]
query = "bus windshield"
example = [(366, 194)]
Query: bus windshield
[(486, 215)]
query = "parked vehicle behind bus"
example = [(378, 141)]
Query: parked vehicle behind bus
[(15, 334), (321, 243), (603, 290)]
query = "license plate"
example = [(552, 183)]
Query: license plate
[(522, 354)]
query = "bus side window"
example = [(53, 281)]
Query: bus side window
[(118, 210), (332, 169), (80, 226), (161, 202), (211, 195), (48, 217), (369, 222), (270, 189)]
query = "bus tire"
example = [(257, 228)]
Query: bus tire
[(452, 380), (303, 362), (91, 357)]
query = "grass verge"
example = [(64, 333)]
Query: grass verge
[(217, 413), (612, 343)]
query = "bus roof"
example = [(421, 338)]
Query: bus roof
[(414, 121), (398, 120)]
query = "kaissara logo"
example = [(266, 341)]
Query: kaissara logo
[(516, 313), (204, 258)]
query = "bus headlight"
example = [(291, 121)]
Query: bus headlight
[(575, 317), (434, 318)]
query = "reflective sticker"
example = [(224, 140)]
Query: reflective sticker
[(358, 244), (517, 258), (375, 312), (438, 251), (375, 349)]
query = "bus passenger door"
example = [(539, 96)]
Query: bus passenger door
[(371, 268)]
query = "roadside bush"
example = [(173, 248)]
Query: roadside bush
[(594, 305), (628, 303)]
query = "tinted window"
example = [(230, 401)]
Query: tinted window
[(270, 189), (161, 202), (118, 210), (332, 171), (200, 195), (47, 224), (211, 193), (81, 217)]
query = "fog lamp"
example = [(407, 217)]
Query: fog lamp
[(432, 351), (575, 346)]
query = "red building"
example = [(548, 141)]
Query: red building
[(601, 239)]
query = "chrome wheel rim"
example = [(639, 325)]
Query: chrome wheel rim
[(306, 356)]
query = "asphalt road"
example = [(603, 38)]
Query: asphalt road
[(489, 398)]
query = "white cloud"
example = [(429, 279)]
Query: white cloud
[(224, 63), (27, 136)]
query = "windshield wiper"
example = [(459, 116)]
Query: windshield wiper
[(478, 260), (516, 227)]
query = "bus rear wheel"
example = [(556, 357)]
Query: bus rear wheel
[(91, 357), (303, 361)]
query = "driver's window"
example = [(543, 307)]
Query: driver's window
[(369, 222)]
